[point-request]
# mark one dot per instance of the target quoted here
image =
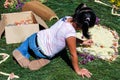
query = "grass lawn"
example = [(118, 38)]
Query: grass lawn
[(58, 69)]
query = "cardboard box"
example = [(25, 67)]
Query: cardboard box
[(17, 34), (18, 26)]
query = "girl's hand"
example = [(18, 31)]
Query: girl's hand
[(84, 73), (88, 42)]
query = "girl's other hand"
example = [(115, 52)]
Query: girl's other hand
[(84, 73), (88, 42)]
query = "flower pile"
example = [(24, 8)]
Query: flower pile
[(23, 22), (13, 4), (18, 3), (105, 43)]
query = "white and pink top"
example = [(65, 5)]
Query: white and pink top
[(53, 40)]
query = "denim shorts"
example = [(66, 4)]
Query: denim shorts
[(30, 43)]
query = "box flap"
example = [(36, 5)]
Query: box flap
[(2, 27), (40, 20)]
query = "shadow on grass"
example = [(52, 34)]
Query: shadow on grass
[(64, 55)]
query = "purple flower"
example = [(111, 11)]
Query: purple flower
[(84, 61), (19, 5), (86, 58), (83, 55), (97, 20), (90, 58)]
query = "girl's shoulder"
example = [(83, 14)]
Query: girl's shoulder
[(65, 18)]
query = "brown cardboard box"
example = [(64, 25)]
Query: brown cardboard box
[(15, 32)]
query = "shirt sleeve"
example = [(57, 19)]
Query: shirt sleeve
[(70, 31)]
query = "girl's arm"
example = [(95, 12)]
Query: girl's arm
[(71, 42), (79, 41), (87, 42)]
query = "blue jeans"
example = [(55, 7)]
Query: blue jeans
[(30, 43)]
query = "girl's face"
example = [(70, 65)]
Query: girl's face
[(76, 26)]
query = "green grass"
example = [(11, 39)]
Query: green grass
[(58, 69)]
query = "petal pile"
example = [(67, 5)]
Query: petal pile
[(105, 44)]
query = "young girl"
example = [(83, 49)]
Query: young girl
[(46, 43)]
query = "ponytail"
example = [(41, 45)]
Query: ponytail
[(85, 27)]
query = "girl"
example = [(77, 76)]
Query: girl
[(46, 43)]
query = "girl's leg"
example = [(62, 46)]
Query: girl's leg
[(23, 48), (33, 46), (36, 64), (22, 55), (22, 61)]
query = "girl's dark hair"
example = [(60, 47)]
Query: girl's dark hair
[(85, 18)]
